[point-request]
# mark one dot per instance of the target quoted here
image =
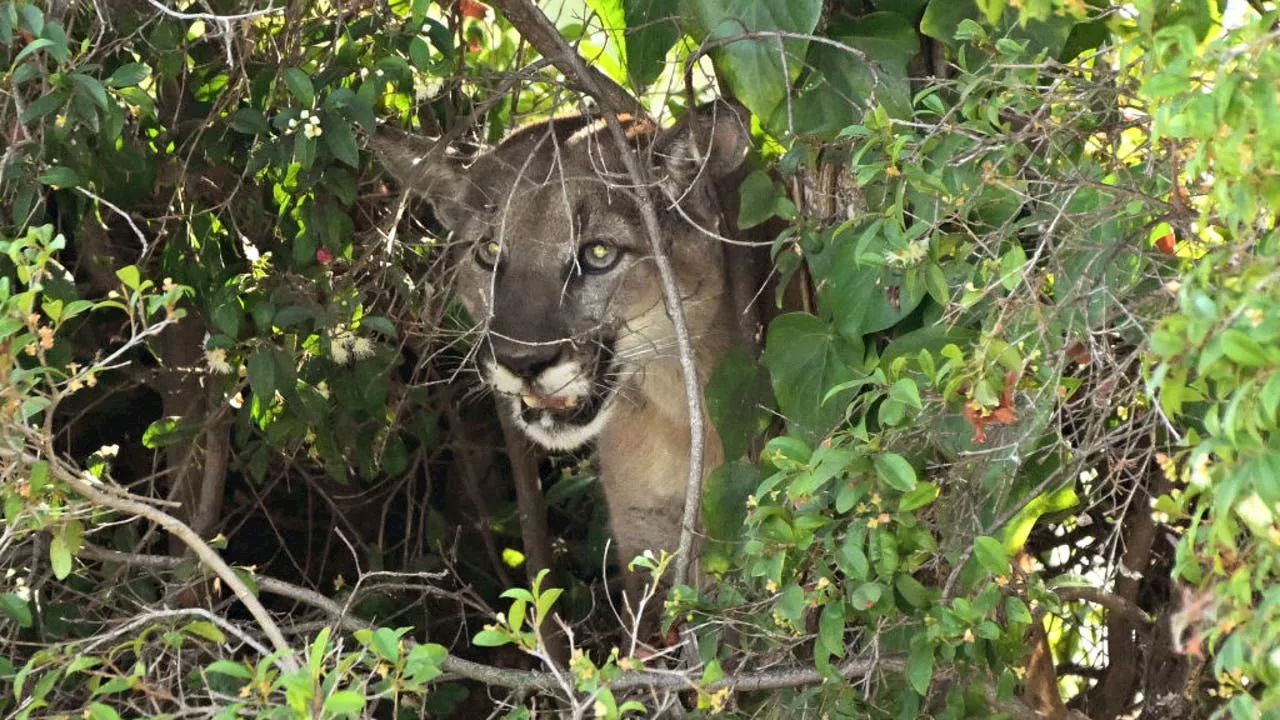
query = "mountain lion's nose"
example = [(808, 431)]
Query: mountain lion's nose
[(527, 360)]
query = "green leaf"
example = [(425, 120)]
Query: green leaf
[(920, 666), (862, 297), (304, 150), (738, 397), (906, 392), (759, 199), (98, 711), (300, 86), (419, 53), (724, 509), (912, 590), (340, 140), (206, 630), (32, 47), (262, 374), (491, 638), (652, 28), (230, 668), (60, 556), (386, 643), (546, 600), (852, 558), (169, 430), (866, 596), (1242, 349), (379, 324), (16, 608), (805, 357), (344, 701), (90, 87), (895, 471), (790, 605), (128, 75), (753, 68), (991, 555), (831, 628), (130, 276), (60, 176), (923, 494), (250, 121)]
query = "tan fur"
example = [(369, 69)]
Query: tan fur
[(544, 196)]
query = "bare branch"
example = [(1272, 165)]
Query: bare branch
[(542, 34)]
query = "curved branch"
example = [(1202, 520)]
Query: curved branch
[(287, 661), (1111, 603)]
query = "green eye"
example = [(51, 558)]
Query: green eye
[(597, 256), (488, 252)]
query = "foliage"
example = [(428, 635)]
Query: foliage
[(1041, 343)]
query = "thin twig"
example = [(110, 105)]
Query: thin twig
[(532, 679), (210, 16)]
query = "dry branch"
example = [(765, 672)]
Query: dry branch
[(542, 34)]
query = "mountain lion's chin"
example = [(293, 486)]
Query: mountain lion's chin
[(559, 425)]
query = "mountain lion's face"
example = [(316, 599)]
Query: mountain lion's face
[(554, 261)]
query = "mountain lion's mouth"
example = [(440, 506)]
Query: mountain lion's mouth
[(571, 414)]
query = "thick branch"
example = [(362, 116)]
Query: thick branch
[(542, 34), (1112, 603)]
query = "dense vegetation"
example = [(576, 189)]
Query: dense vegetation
[(1021, 452)]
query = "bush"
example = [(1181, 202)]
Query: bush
[(1024, 460)]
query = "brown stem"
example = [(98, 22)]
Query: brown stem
[(1114, 604), (533, 518), (542, 34)]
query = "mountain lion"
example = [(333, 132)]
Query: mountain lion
[(554, 261)]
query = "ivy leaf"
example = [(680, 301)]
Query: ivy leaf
[(753, 68), (651, 31), (805, 357)]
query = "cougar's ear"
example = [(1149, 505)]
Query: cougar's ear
[(422, 167), (706, 146)]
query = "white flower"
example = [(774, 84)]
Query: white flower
[(305, 114), (216, 359), (361, 347), (340, 352)]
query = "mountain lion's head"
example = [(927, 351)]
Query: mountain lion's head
[(554, 261)]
